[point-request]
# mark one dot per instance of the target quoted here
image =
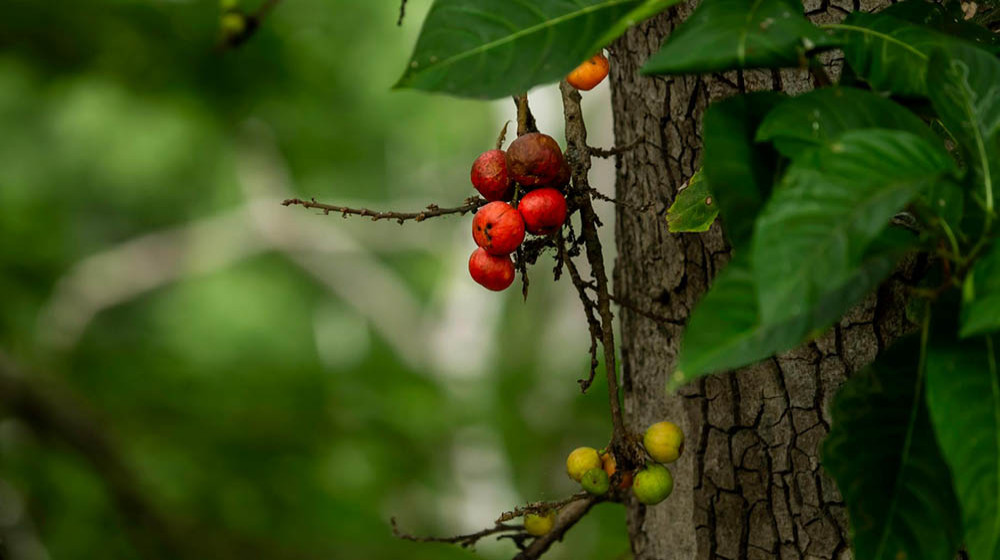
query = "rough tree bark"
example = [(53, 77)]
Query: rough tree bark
[(750, 484)]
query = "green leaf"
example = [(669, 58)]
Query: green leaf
[(964, 87), (890, 54), (494, 48), (694, 209), (740, 171), (882, 452), (981, 299), (832, 203), (963, 394), (725, 331), (946, 18), (729, 34), (820, 116)]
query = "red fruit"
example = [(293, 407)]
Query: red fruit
[(543, 210), (498, 228), (490, 177), (491, 272), (565, 174), (534, 159)]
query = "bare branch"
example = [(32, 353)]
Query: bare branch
[(465, 541), (593, 325), (540, 507), (432, 211), (578, 154), (61, 416)]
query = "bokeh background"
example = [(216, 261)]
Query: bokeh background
[(272, 375)]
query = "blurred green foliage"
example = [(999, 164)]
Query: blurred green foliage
[(255, 400)]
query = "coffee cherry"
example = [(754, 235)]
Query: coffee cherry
[(581, 460), (664, 441), (590, 73), (535, 159), (537, 525), (596, 482), (543, 210), (491, 272), (490, 177), (498, 228), (653, 484)]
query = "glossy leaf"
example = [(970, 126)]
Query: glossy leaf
[(740, 171), (494, 48), (694, 209), (820, 116), (890, 54), (832, 203), (730, 34), (882, 452), (963, 394), (725, 330), (946, 18), (964, 87), (981, 300)]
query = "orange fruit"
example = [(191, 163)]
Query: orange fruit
[(590, 73)]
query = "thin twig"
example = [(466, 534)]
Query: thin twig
[(464, 541), (578, 155), (402, 12), (540, 507), (593, 325), (432, 210)]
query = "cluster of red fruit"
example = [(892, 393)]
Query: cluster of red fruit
[(534, 163)]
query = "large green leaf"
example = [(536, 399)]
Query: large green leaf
[(740, 171), (728, 34), (963, 394), (832, 203), (946, 18), (818, 117), (694, 209), (890, 54), (964, 87), (493, 48), (981, 301), (725, 331), (882, 452)]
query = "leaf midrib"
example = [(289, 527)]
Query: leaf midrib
[(522, 33)]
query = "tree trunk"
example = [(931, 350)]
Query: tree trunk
[(750, 483)]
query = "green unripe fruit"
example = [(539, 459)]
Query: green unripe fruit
[(653, 484), (233, 24), (596, 482), (537, 525), (664, 441), (581, 460), (227, 5)]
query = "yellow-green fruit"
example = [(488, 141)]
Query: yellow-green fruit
[(596, 482), (227, 5), (653, 484), (581, 460), (233, 23), (538, 525), (664, 442)]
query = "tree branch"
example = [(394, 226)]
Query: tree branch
[(432, 211), (578, 154), (61, 416), (567, 518), (465, 541)]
